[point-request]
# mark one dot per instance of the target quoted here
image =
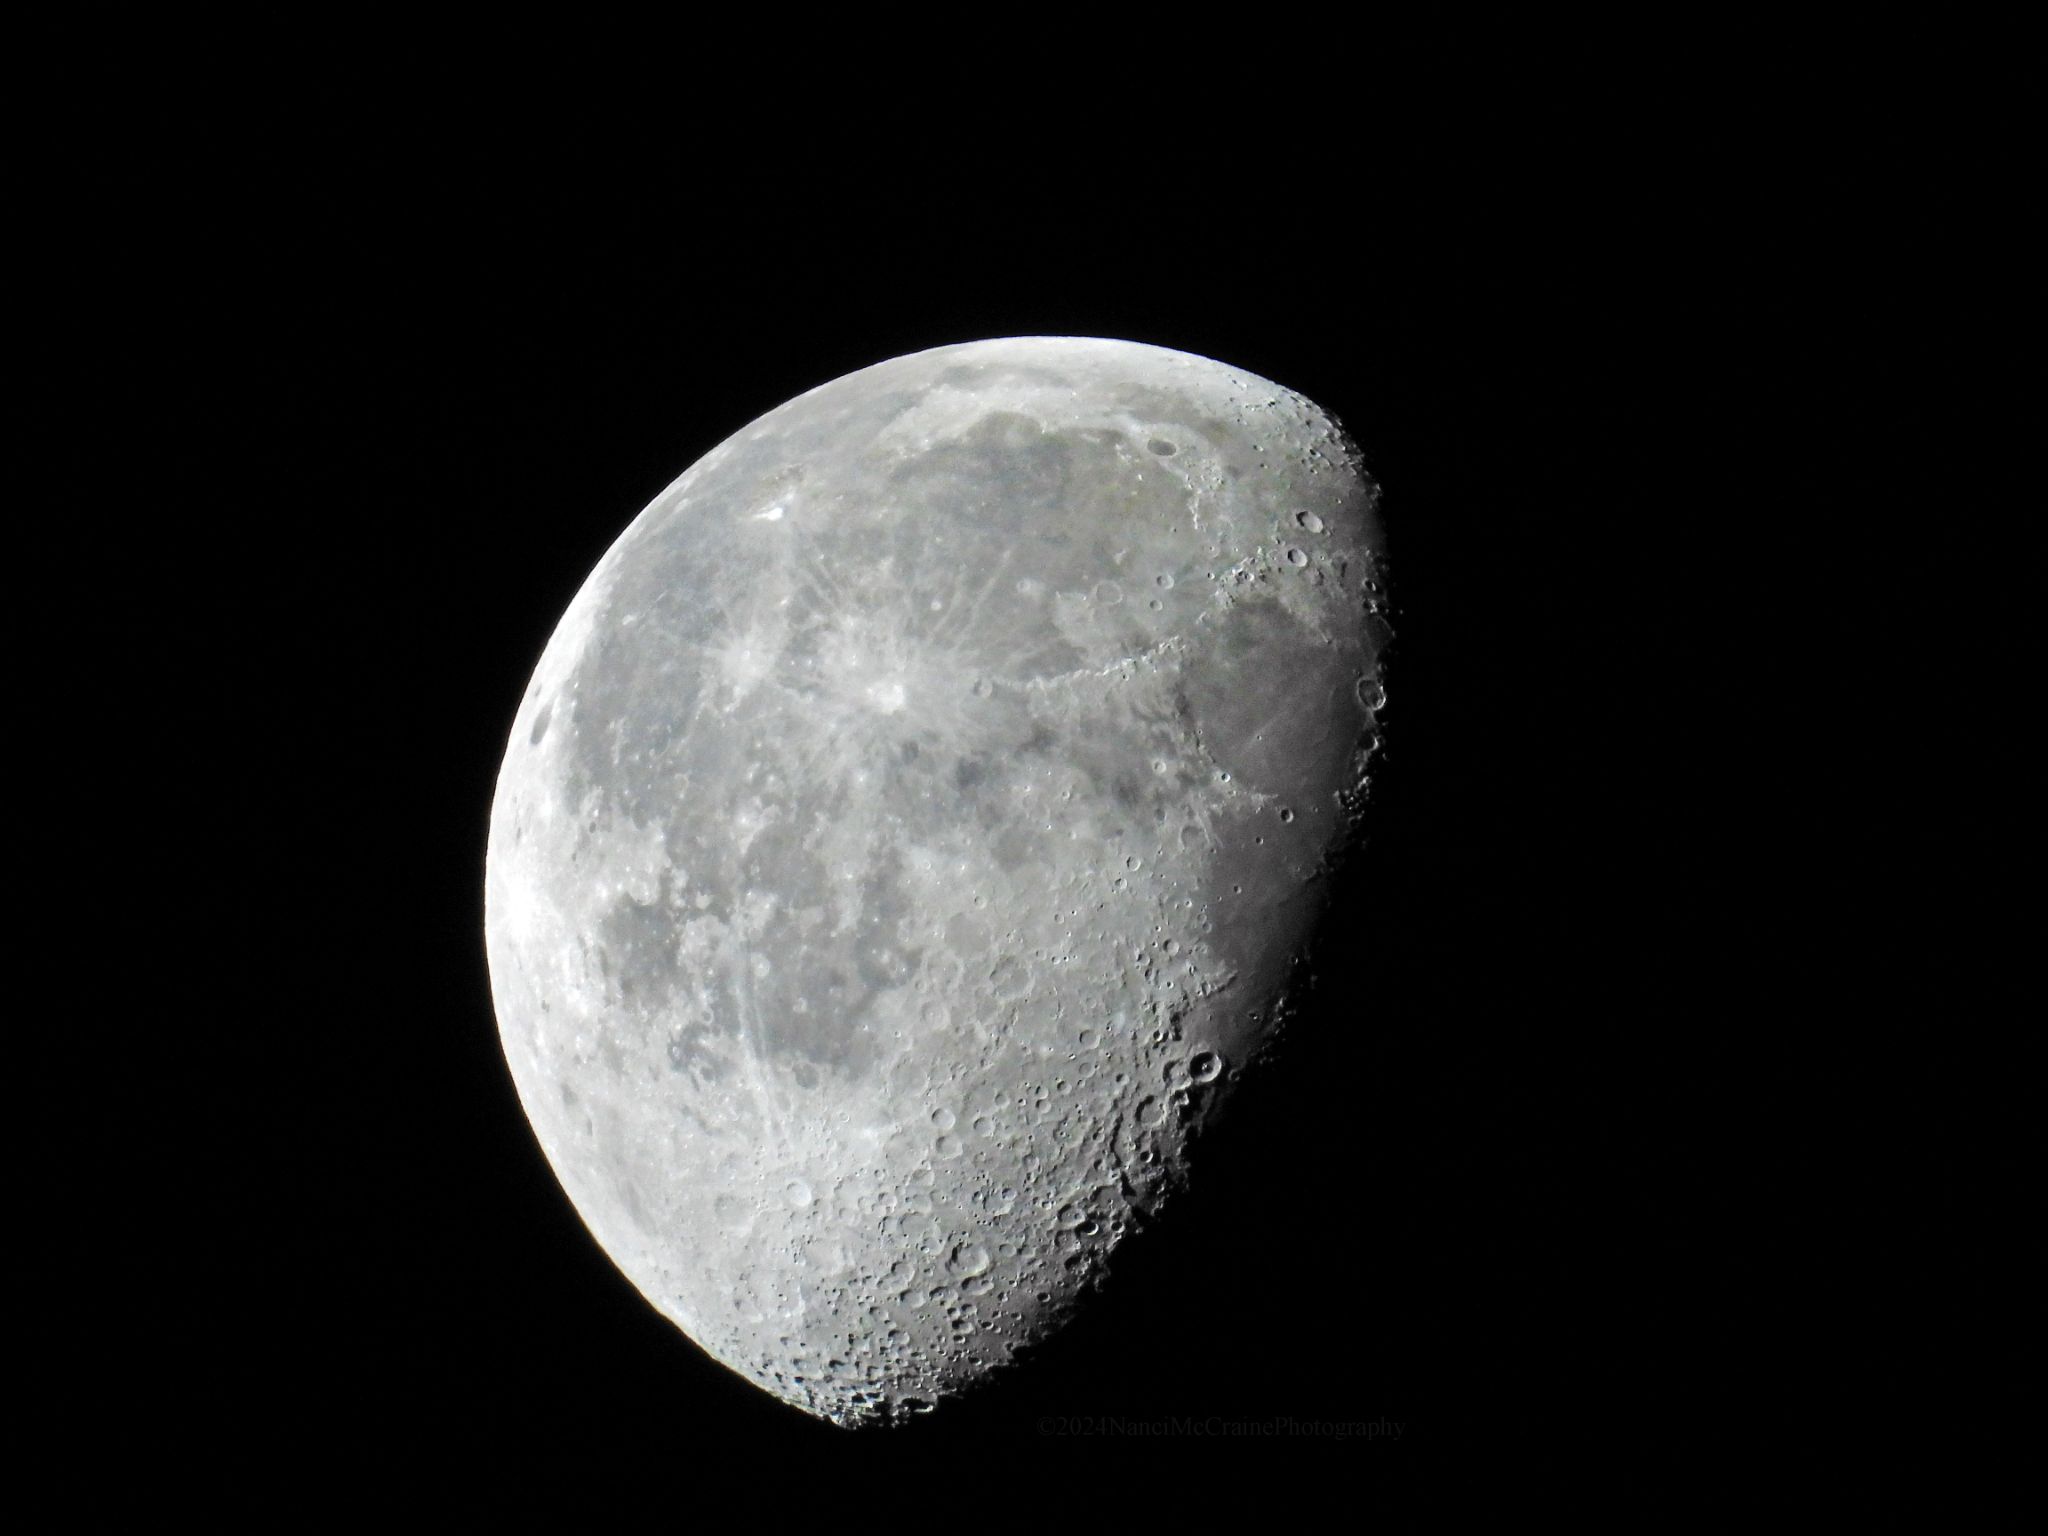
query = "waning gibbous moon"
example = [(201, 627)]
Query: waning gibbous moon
[(906, 838)]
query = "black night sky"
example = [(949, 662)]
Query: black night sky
[(1506, 1183)]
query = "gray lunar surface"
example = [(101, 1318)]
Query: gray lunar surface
[(907, 837)]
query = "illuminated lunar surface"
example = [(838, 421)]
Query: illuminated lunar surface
[(907, 837)]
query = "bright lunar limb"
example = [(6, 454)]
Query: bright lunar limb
[(907, 836)]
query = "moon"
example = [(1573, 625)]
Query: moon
[(907, 838)]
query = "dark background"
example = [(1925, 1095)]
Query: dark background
[(1514, 1178)]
